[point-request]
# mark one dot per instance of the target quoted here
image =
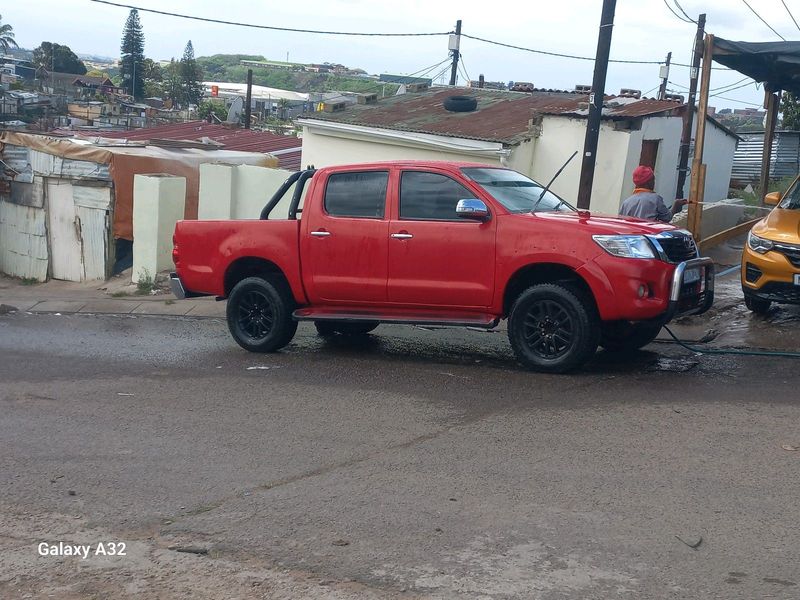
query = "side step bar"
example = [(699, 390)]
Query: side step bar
[(429, 318)]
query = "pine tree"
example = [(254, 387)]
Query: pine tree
[(191, 76), (132, 49)]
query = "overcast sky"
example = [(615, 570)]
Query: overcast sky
[(644, 30)]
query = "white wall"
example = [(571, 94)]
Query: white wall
[(325, 150), (159, 201), (239, 191), (718, 156), (561, 137), (668, 131)]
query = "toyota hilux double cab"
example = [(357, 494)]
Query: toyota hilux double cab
[(443, 243)]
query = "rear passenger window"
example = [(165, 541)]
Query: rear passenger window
[(357, 194), (430, 196)]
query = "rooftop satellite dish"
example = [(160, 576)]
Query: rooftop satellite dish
[(235, 111)]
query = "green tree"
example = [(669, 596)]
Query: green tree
[(191, 76), (132, 59), (58, 58), (790, 107), (171, 83), (7, 40), (207, 107)]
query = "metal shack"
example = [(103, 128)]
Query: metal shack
[(66, 205)]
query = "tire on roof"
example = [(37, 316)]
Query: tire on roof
[(460, 103)]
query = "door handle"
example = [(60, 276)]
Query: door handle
[(320, 233), (401, 236)]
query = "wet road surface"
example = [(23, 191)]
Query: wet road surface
[(413, 463)]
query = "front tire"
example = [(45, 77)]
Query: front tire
[(329, 328), (624, 336), (757, 305), (259, 314), (552, 329)]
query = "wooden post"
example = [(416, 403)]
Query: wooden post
[(771, 104), (698, 181), (248, 99)]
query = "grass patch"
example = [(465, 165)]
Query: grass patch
[(120, 294), (146, 283), (169, 302), (28, 281)]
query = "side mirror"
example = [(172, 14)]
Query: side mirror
[(772, 199), (472, 209)]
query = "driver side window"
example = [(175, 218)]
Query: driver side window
[(430, 196)]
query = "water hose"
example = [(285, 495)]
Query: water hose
[(731, 350)]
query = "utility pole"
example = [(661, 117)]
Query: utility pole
[(248, 99), (662, 89), (596, 104), (455, 44), (688, 116)]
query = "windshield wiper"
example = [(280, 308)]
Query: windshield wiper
[(547, 187)]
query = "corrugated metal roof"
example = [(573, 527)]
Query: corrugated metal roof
[(784, 162), (500, 116), (232, 139)]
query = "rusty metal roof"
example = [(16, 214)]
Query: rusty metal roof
[(284, 147), (500, 116)]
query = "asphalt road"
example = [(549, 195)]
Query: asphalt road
[(413, 463)]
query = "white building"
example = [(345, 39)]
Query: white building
[(533, 133)]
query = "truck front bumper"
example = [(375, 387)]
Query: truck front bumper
[(692, 289)]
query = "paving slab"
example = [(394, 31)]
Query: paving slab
[(20, 304), (207, 308), (64, 306), (109, 306), (161, 308)]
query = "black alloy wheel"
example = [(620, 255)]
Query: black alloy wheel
[(259, 314), (553, 328)]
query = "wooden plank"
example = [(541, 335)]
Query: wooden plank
[(724, 236)]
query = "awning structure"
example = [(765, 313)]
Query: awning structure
[(775, 64)]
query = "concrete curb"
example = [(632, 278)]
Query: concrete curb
[(204, 309)]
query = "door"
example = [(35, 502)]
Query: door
[(63, 230), (92, 205), (649, 153), (345, 239), (435, 257)]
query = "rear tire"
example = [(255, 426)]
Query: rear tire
[(757, 305), (328, 328), (624, 336), (259, 314), (552, 329)]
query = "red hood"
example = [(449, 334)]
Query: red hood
[(597, 224)]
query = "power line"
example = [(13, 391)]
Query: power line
[(680, 8), (747, 4), (790, 14), (545, 52), (732, 89), (672, 10), (739, 101), (463, 66), (270, 27)]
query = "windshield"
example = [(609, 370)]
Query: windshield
[(515, 191), (791, 199)]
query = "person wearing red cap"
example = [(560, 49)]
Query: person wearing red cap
[(645, 203)]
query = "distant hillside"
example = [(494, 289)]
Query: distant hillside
[(226, 68)]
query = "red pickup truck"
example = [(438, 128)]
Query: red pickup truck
[(443, 243)]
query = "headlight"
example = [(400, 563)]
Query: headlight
[(758, 244), (625, 246)]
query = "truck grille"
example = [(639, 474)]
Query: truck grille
[(789, 251), (676, 246)]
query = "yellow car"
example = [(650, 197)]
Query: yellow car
[(771, 257)]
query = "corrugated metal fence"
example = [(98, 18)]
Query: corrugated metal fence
[(785, 160)]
